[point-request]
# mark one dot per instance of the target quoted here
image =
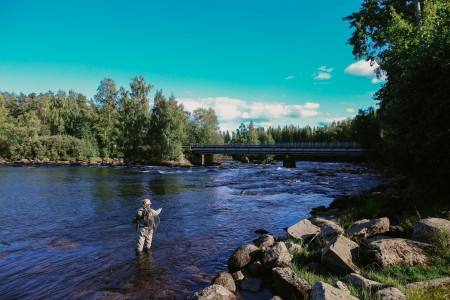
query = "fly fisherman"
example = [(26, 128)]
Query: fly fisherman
[(146, 220)]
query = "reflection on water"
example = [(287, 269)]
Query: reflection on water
[(66, 231)]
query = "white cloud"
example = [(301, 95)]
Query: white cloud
[(289, 77), (364, 69), (325, 69), (350, 110), (322, 76), (232, 112)]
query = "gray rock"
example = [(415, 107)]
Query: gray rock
[(342, 286), (433, 231), (265, 241), (242, 256), (325, 291), (241, 274), (364, 229), (396, 251), (213, 292), (293, 247), (359, 281), (391, 293), (429, 283), (329, 231), (251, 284), (226, 280), (341, 256), (277, 256), (288, 285), (320, 222), (276, 298), (304, 230)]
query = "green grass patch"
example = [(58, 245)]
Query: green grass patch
[(435, 293)]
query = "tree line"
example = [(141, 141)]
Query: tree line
[(123, 123)]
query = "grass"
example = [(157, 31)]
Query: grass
[(394, 276)]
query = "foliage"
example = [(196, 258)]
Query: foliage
[(411, 44)]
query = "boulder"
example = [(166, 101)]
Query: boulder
[(293, 247), (432, 231), (390, 293), (364, 229), (429, 283), (241, 275), (288, 285), (304, 230), (213, 292), (251, 284), (397, 251), (341, 256), (329, 231), (320, 222), (277, 256), (242, 256), (265, 241), (226, 280), (342, 286), (359, 281), (325, 291)]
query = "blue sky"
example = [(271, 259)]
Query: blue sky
[(276, 62)]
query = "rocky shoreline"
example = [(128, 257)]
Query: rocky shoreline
[(96, 161), (323, 247)]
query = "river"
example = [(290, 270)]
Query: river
[(66, 232)]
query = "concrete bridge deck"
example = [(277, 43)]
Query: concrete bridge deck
[(289, 151)]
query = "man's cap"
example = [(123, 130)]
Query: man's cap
[(146, 201)]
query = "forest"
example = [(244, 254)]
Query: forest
[(126, 124)]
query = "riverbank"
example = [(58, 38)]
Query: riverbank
[(368, 245)]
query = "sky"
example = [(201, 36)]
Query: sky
[(276, 62)]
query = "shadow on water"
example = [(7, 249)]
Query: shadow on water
[(66, 232)]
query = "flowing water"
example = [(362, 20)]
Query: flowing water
[(66, 232)]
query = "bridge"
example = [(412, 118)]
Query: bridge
[(288, 151)]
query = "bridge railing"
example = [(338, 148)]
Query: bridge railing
[(302, 145)]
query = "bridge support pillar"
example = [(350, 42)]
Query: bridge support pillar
[(197, 159), (289, 161)]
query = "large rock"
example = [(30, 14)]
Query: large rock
[(226, 280), (213, 292), (288, 285), (329, 231), (390, 293), (325, 291), (432, 231), (277, 256), (359, 281), (320, 222), (242, 256), (397, 251), (364, 229), (341, 256), (265, 241), (429, 283), (304, 230)]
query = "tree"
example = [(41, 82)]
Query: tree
[(107, 123), (410, 40), (168, 124), (204, 127), (134, 111)]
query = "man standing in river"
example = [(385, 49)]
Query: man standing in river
[(147, 220)]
